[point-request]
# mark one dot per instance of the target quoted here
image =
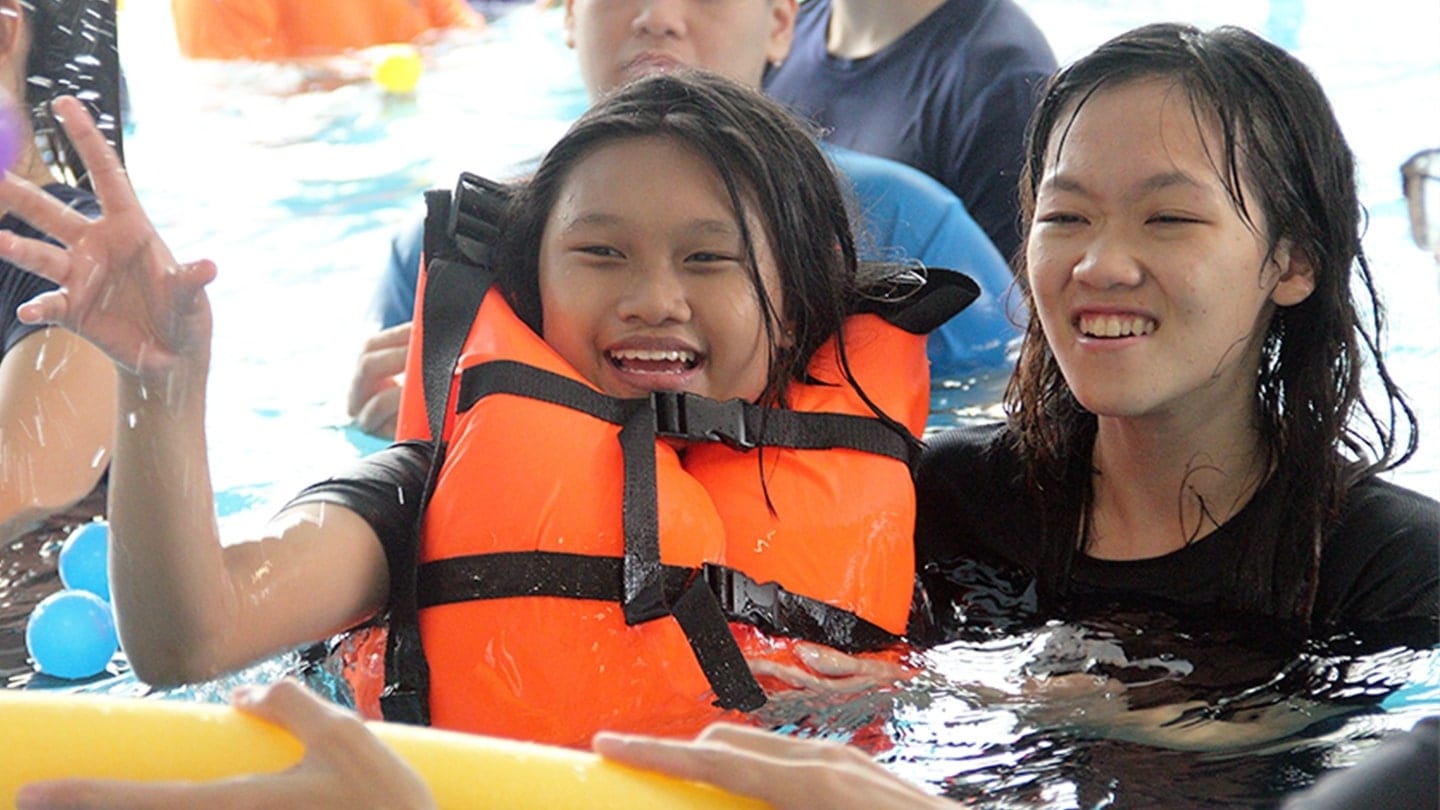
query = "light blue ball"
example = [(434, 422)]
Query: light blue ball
[(85, 559), (71, 634)]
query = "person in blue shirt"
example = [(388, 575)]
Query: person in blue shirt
[(942, 85), (907, 215)]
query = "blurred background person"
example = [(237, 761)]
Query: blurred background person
[(943, 85), (300, 29)]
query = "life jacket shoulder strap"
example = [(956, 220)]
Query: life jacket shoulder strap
[(920, 310), (460, 232), (460, 229)]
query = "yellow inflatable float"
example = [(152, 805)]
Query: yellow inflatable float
[(50, 735)]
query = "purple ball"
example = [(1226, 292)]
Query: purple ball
[(10, 130)]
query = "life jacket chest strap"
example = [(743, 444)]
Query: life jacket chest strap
[(767, 606)]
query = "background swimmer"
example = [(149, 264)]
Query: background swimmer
[(57, 392)]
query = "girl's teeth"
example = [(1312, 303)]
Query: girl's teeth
[(653, 356)]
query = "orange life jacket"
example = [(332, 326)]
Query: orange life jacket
[(578, 564)]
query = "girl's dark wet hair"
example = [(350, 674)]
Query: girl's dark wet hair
[(771, 168), (1278, 131), (73, 51)]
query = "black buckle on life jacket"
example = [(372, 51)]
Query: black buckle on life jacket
[(743, 598), (689, 416)]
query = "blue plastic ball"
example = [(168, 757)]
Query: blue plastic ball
[(85, 559), (71, 634)]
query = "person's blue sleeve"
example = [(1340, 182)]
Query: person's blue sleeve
[(395, 297), (983, 335), (909, 215)]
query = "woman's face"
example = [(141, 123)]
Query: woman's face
[(643, 278), (1153, 291)]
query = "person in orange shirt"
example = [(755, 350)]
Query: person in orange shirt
[(299, 29)]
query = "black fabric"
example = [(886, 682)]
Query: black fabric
[(510, 574), (779, 612), (18, 286), (74, 52), (505, 575), (1380, 560), (945, 294), (705, 627), (1402, 773), (644, 592), (386, 489)]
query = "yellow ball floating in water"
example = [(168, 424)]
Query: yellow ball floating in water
[(397, 70)]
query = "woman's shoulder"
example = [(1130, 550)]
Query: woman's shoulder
[(956, 456), (969, 482), (1375, 507), (1381, 556)]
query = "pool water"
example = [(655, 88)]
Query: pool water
[(296, 194)]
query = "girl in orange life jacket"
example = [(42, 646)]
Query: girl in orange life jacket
[(710, 252), (570, 233)]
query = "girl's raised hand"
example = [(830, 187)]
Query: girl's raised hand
[(120, 287)]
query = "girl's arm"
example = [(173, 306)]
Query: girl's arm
[(187, 608)]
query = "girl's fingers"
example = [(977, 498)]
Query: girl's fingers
[(697, 760), (41, 258), (322, 727), (50, 307), (192, 277), (287, 704), (45, 213), (107, 175), (116, 794), (760, 742)]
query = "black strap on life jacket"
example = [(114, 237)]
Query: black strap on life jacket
[(458, 271), (768, 606)]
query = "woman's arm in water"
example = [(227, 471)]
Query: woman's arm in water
[(187, 607)]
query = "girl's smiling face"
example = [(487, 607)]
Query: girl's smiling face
[(644, 283), (1153, 290)]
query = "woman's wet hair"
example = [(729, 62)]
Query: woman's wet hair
[(1280, 143), (772, 169), (73, 51)]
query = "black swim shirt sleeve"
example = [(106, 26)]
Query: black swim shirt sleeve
[(385, 489), (1381, 561)]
